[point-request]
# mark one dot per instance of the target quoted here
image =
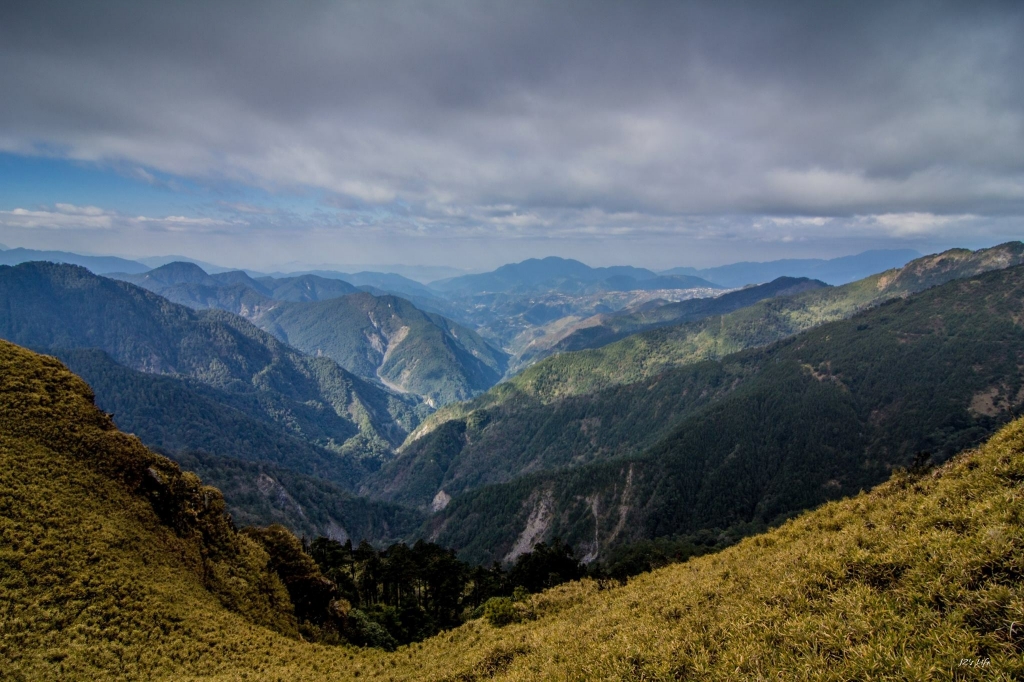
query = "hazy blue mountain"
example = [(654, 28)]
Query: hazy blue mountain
[(385, 281), (562, 274), (176, 272), (834, 271), (100, 265), (157, 261), (419, 273)]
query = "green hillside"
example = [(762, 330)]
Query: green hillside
[(115, 565), (47, 306), (578, 407), (377, 336), (267, 475), (744, 441), (644, 355), (172, 414), (388, 338), (605, 329)]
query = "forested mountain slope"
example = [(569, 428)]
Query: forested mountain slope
[(49, 306), (387, 338), (176, 415), (267, 474), (587, 406), (647, 354), (754, 437), (117, 565), (601, 330), (379, 337)]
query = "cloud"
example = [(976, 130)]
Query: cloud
[(65, 216), (70, 217), (577, 119)]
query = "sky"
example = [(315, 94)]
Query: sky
[(472, 134)]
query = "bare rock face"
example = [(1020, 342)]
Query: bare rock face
[(441, 500)]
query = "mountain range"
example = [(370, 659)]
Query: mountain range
[(64, 308), (98, 264), (566, 276), (591, 406), (604, 328), (841, 270), (380, 337), (290, 436), (741, 442)]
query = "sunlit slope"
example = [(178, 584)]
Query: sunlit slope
[(111, 559), (900, 583), (390, 339)]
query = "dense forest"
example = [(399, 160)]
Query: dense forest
[(578, 408), (759, 435)]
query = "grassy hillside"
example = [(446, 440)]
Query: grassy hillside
[(389, 339), (103, 541), (744, 441), (49, 306), (919, 579)]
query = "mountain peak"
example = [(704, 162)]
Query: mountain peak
[(179, 272)]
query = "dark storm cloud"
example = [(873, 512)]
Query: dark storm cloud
[(574, 117)]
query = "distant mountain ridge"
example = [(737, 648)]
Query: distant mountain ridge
[(388, 339), (833, 271), (98, 264), (564, 274)]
